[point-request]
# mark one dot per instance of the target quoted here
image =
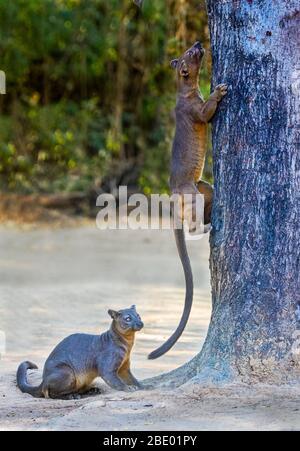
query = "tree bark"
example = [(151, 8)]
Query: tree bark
[(254, 333), (255, 326)]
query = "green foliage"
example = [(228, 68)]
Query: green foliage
[(89, 90)]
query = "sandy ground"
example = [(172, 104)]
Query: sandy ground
[(54, 282)]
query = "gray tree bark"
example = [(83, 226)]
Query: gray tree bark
[(254, 333), (255, 258)]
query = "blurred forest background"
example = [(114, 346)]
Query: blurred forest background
[(90, 92)]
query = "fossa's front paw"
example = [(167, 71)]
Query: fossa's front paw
[(131, 388), (221, 90)]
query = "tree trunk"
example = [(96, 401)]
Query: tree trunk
[(255, 326), (254, 333)]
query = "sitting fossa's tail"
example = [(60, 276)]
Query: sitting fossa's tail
[(23, 383), (184, 257)]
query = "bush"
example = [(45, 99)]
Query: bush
[(90, 90)]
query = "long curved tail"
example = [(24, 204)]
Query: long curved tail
[(189, 284), (23, 383)]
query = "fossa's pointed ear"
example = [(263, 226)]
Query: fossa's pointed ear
[(133, 307), (113, 314), (174, 63), (184, 72)]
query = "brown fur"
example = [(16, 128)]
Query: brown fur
[(188, 159), (192, 116)]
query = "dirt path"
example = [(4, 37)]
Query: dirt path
[(56, 282)]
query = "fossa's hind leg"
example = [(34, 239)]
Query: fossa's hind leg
[(207, 190), (184, 208), (59, 383)]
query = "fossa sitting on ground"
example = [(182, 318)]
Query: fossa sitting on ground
[(79, 359)]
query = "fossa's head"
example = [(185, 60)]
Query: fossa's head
[(127, 320), (188, 65)]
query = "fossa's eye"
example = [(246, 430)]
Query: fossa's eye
[(127, 319)]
